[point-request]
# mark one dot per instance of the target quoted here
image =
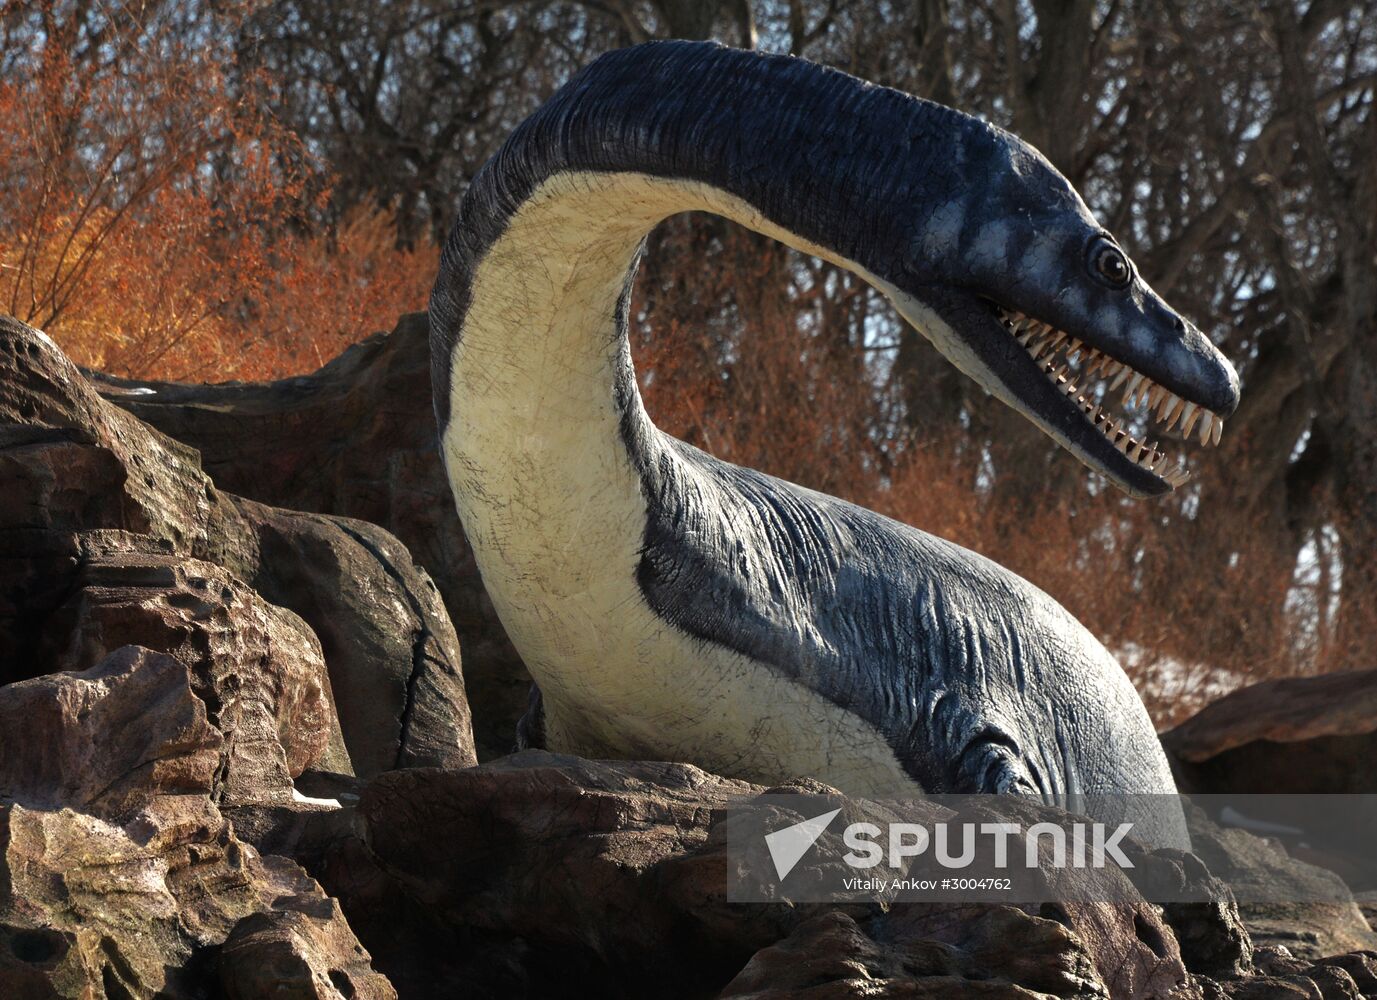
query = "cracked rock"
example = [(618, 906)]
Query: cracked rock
[(355, 439), (109, 527)]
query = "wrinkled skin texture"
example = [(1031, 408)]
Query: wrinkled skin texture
[(968, 676)]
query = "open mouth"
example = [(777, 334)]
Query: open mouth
[(1088, 378)]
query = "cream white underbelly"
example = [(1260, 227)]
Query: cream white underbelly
[(618, 681), (554, 511)]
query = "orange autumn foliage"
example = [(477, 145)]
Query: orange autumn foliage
[(159, 220)]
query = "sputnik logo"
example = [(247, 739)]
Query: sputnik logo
[(788, 846)]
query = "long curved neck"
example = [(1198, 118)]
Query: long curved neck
[(548, 441), (824, 160), (542, 427), (543, 349)]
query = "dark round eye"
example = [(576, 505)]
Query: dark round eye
[(1109, 263)]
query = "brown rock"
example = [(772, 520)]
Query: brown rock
[(830, 956), (1268, 882), (393, 654), (356, 439), (1333, 982), (110, 739), (301, 948), (1203, 916), (1306, 735), (93, 499), (1272, 988), (552, 876), (256, 666), (89, 908), (1286, 710), (1361, 967)]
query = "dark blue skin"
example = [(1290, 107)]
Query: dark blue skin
[(976, 679)]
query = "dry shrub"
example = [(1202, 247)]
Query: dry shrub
[(340, 286), (158, 220)]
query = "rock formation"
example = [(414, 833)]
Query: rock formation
[(1296, 734), (235, 756), (100, 518), (355, 439)]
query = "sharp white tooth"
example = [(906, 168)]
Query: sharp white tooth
[(1170, 410), (1189, 416), (1132, 389), (1057, 337), (1155, 396), (1218, 429), (1024, 336), (1206, 422), (1124, 372)]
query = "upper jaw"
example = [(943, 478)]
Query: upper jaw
[(1195, 390), (1053, 378)]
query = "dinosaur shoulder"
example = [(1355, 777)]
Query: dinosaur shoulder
[(790, 575)]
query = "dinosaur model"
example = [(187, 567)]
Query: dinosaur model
[(673, 606)]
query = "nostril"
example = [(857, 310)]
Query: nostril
[(1179, 323)]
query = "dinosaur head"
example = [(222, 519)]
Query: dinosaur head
[(1014, 280)]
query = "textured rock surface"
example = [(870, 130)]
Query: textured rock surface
[(301, 947), (514, 873), (356, 439), (1301, 734), (133, 727), (89, 908), (831, 955), (119, 874), (1307, 928), (98, 509), (1305, 736)]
